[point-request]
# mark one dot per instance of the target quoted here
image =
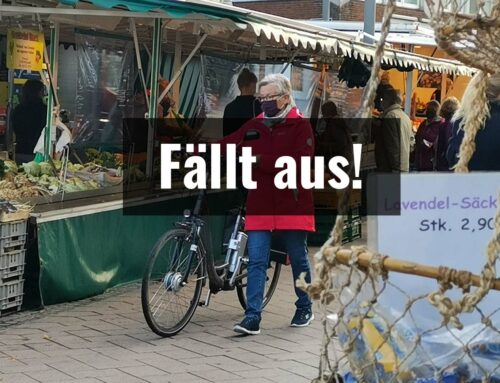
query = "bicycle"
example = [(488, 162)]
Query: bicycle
[(180, 264)]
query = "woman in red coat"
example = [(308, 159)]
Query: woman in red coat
[(282, 132)]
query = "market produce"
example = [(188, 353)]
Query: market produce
[(75, 167), (106, 159), (32, 169), (39, 179), (19, 188), (10, 167), (46, 168)]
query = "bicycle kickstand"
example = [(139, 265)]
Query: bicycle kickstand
[(206, 302)]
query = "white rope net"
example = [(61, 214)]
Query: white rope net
[(369, 338)]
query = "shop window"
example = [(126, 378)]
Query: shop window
[(409, 3)]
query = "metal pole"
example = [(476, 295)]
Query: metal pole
[(177, 66), (177, 75), (10, 109), (444, 90), (52, 68), (326, 10), (138, 58), (369, 23), (153, 105), (409, 89), (289, 62)]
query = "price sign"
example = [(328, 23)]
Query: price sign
[(445, 219), (25, 49)]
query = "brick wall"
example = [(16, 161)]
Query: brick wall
[(354, 11), (312, 9), (292, 9)]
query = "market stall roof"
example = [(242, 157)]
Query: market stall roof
[(252, 29), (401, 32)]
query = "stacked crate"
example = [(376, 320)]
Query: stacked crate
[(326, 203), (352, 225), (12, 260)]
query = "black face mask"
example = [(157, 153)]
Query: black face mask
[(430, 114), (270, 108)]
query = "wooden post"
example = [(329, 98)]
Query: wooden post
[(365, 259)]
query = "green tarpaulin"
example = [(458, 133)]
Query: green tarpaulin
[(85, 255)]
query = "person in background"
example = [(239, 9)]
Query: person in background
[(335, 140), (487, 153), (282, 131), (244, 107), (382, 87), (394, 136), (426, 137), (448, 109), (28, 120)]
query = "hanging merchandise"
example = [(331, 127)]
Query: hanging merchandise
[(354, 72)]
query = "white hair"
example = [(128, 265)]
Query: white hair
[(279, 81), (471, 95)]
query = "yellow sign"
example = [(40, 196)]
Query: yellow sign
[(25, 49)]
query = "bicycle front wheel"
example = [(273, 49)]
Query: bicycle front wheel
[(172, 283)]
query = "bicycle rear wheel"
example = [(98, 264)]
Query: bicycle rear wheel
[(168, 303), (273, 274)]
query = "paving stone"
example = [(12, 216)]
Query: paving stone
[(16, 378), (177, 378), (93, 373), (24, 354), (68, 366), (121, 377), (143, 371), (48, 376), (164, 363), (217, 375), (222, 362)]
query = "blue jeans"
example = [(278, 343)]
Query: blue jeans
[(259, 246)]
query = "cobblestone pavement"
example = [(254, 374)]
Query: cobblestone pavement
[(105, 339)]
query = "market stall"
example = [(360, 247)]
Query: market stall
[(97, 208)]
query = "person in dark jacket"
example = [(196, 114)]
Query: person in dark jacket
[(487, 153), (448, 109), (335, 140), (28, 120), (394, 135), (382, 87), (244, 107), (426, 137)]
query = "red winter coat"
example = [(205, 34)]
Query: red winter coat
[(269, 208)]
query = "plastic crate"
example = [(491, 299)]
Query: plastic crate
[(11, 294), (352, 231), (354, 213), (7, 245), (13, 229), (12, 264)]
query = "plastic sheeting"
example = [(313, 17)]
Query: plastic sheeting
[(106, 74), (219, 86)]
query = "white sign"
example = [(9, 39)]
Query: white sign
[(445, 219)]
